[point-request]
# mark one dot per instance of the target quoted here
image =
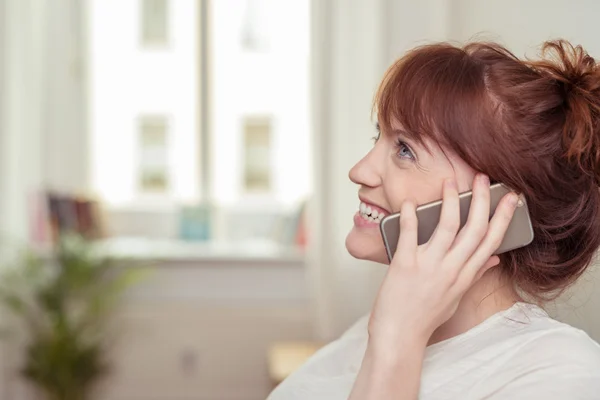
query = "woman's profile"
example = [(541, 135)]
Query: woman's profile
[(452, 320)]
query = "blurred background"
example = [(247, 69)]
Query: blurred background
[(208, 143)]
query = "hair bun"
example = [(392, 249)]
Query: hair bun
[(578, 76)]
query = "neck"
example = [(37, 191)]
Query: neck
[(489, 295)]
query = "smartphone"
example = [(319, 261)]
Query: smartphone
[(519, 233)]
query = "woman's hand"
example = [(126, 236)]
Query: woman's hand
[(424, 285)]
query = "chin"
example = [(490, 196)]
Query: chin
[(366, 245)]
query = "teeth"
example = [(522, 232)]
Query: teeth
[(370, 214)]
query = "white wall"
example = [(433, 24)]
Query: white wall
[(524, 25), (412, 23)]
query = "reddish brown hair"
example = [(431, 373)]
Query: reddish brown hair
[(533, 125)]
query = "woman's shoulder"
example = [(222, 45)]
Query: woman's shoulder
[(537, 334), (557, 362), (562, 343), (540, 357)]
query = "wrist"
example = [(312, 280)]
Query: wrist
[(393, 355), (390, 369)]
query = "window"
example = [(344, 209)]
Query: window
[(220, 116), (153, 176), (154, 22), (255, 27), (257, 155), (134, 90)]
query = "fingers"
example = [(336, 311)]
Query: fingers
[(493, 237), (465, 281), (449, 224), (476, 227), (408, 239)]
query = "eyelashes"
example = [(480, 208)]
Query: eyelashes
[(403, 150), (378, 135)]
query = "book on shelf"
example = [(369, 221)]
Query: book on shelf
[(53, 214)]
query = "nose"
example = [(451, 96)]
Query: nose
[(365, 172)]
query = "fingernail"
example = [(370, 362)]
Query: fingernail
[(484, 179), (514, 199), (450, 183)]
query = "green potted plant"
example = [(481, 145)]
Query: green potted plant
[(60, 307)]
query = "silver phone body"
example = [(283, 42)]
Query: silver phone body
[(519, 233)]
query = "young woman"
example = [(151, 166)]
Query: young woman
[(451, 320)]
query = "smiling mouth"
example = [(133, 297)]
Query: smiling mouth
[(369, 213)]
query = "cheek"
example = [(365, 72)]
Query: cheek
[(416, 186), (425, 186)]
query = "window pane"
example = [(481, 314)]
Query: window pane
[(256, 26), (259, 67), (153, 167), (154, 22), (128, 85), (257, 155)]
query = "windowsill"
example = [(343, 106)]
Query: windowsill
[(165, 250)]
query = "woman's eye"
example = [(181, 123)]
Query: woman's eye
[(404, 151), (378, 130)]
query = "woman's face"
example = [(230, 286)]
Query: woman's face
[(397, 169)]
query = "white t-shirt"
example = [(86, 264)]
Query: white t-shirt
[(520, 353)]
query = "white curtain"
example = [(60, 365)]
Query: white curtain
[(24, 25), (42, 115)]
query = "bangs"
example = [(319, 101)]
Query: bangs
[(431, 93)]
